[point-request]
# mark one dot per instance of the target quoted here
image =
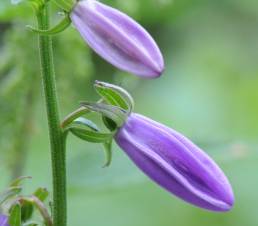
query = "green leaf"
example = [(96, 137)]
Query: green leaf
[(9, 193), (91, 136), (15, 215), (41, 194), (26, 210), (117, 114), (17, 182), (114, 95), (55, 30)]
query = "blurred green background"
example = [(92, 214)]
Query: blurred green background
[(209, 92)]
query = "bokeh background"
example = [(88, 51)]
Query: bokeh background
[(209, 92)]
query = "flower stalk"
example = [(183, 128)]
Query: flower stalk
[(57, 138)]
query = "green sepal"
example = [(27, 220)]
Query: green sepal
[(85, 123), (109, 123), (91, 136), (9, 193), (117, 114), (15, 215), (55, 30), (108, 151), (19, 180), (79, 122), (27, 205), (26, 210), (73, 116), (41, 194), (115, 95), (39, 205)]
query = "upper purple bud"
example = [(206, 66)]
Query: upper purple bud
[(175, 163), (3, 220), (118, 38)]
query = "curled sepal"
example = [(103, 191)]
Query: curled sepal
[(115, 95), (95, 136), (27, 205), (91, 136), (110, 124), (41, 194), (9, 193), (116, 114), (19, 180), (61, 26), (73, 116), (15, 215), (39, 205), (108, 151), (84, 122), (88, 131)]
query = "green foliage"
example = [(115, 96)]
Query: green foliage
[(15, 215), (41, 194), (9, 193), (209, 92), (20, 83)]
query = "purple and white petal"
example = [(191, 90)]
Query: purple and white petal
[(175, 163), (3, 220), (118, 38)]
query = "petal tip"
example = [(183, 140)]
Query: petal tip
[(156, 73), (227, 203)]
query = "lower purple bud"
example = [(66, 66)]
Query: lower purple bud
[(3, 220), (175, 163)]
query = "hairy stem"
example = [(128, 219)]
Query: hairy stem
[(57, 138)]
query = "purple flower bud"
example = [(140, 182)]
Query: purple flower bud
[(175, 163), (118, 38), (3, 220)]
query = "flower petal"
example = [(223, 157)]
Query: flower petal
[(3, 220), (118, 38), (175, 163)]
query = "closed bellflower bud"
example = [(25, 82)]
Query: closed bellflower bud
[(117, 38), (3, 220), (175, 163)]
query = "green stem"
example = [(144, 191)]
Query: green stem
[(57, 138)]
